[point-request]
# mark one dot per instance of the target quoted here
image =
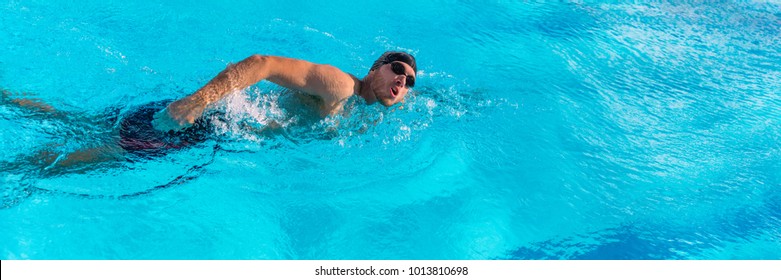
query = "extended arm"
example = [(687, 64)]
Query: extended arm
[(326, 81)]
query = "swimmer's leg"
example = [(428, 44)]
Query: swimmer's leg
[(39, 109), (50, 162), (30, 104), (36, 108), (90, 156)]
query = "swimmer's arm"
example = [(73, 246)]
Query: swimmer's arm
[(325, 81)]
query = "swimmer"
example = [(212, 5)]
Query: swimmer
[(159, 126), (389, 79)]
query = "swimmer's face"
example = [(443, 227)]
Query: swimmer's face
[(392, 82)]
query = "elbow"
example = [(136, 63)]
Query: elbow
[(258, 66), (258, 59)]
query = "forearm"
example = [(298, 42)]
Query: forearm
[(235, 77), (184, 112)]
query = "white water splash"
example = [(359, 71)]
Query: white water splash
[(245, 116)]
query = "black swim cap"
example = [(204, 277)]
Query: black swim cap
[(391, 56)]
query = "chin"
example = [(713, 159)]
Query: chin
[(384, 100), (387, 102)]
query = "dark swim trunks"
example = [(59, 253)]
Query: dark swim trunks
[(139, 137)]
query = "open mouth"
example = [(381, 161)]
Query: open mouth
[(394, 91)]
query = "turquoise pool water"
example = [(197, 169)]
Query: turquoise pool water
[(536, 131)]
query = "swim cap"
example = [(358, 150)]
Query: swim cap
[(391, 56)]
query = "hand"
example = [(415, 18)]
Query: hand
[(178, 115)]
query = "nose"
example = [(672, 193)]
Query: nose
[(400, 80)]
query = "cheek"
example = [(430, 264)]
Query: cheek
[(378, 89), (379, 83), (402, 94)]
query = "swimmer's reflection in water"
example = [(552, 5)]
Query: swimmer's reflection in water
[(158, 127)]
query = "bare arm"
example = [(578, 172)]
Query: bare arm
[(325, 81)]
